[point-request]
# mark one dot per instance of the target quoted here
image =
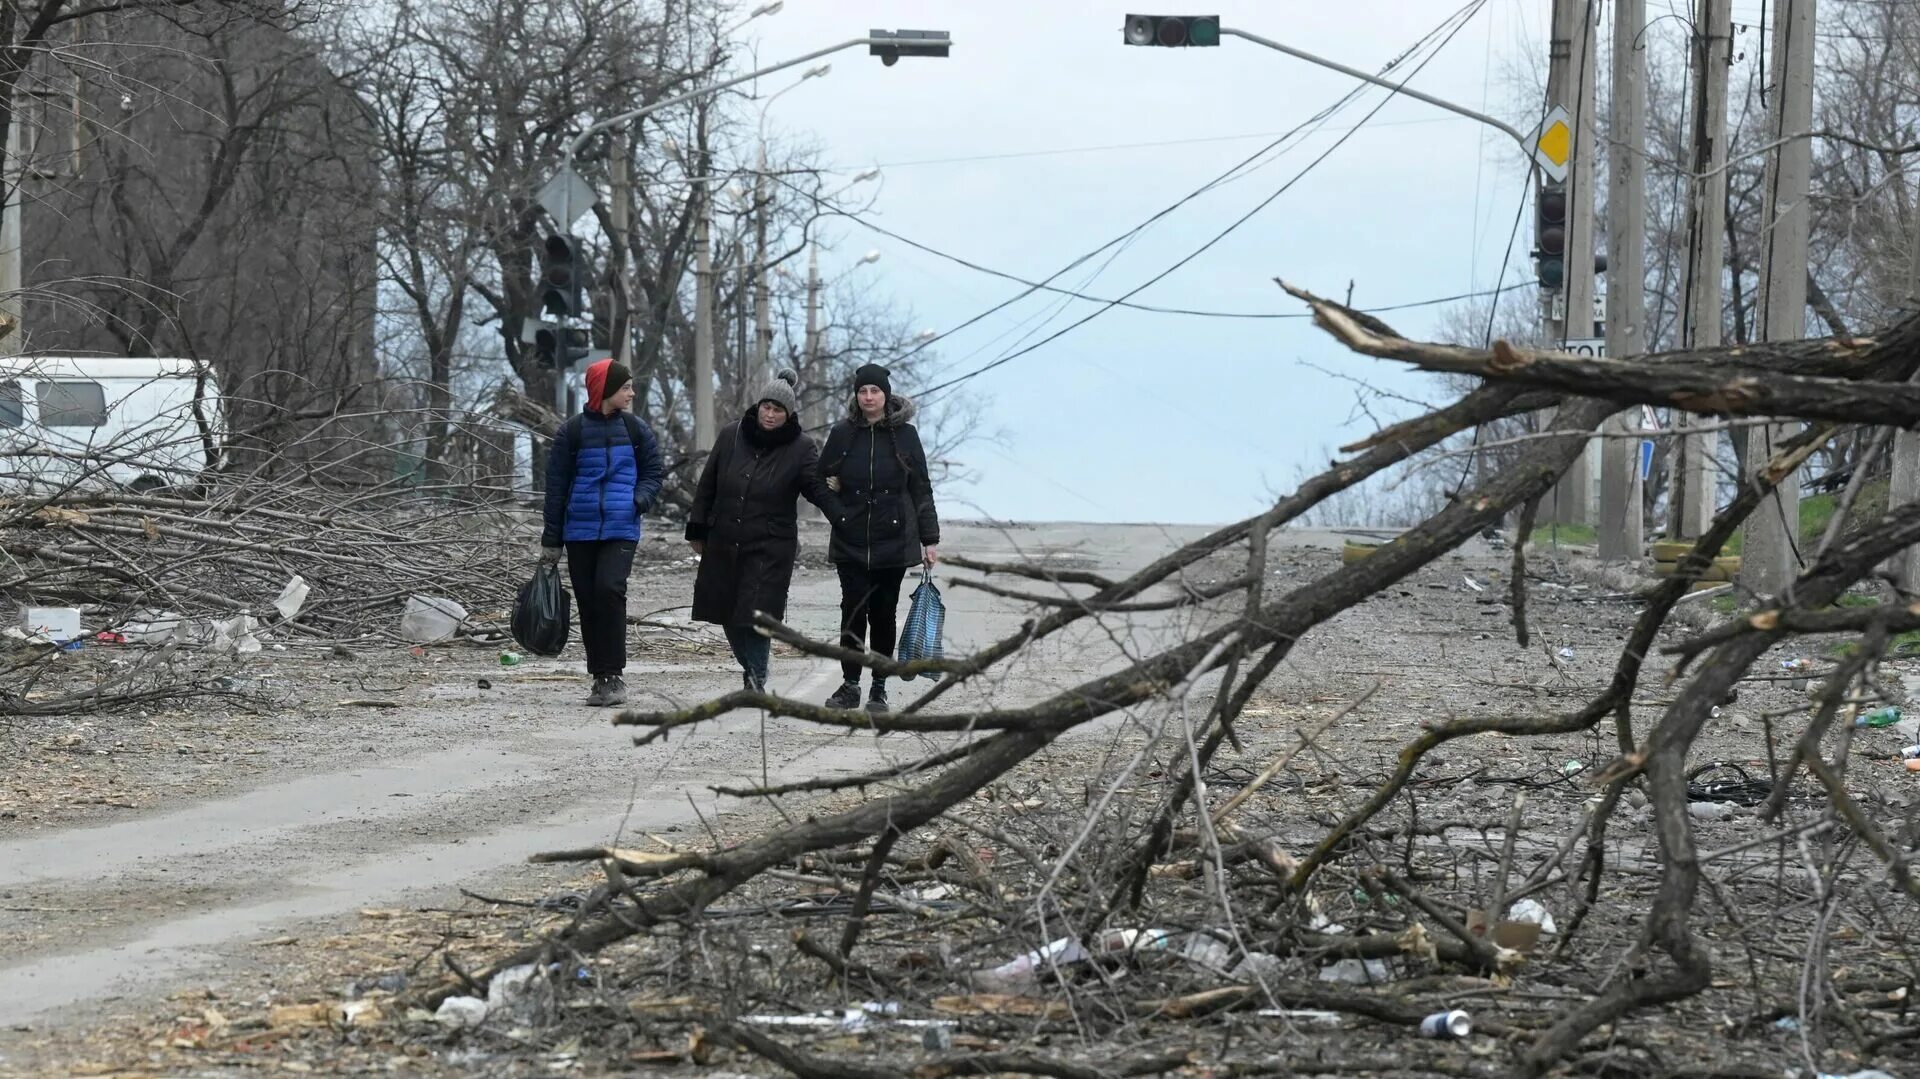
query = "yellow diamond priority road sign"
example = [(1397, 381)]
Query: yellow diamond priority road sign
[(1553, 144)]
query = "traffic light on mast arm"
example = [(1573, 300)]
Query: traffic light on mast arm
[(562, 277), (1173, 31), (554, 346), (1550, 234)]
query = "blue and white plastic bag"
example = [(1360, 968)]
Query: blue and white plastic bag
[(925, 619)]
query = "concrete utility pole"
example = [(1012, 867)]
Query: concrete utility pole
[(1905, 566), (810, 363), (1770, 557), (10, 273), (1690, 500), (1570, 84), (1622, 517)]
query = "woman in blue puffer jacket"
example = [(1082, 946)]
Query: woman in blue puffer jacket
[(603, 474)]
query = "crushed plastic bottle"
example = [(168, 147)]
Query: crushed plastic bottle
[(1879, 717), (509, 659)]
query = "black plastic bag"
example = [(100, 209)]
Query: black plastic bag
[(541, 614)]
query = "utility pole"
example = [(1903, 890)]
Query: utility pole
[(1570, 84), (620, 185), (1905, 488), (1622, 518), (1770, 557), (11, 283), (1690, 502), (760, 370), (703, 429), (810, 363)]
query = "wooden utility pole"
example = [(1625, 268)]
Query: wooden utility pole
[(1770, 557), (1905, 488), (1622, 517), (761, 369), (620, 188), (1691, 499), (1570, 84), (810, 363), (703, 429)]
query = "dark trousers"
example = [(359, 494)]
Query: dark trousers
[(752, 650), (598, 569), (869, 609)]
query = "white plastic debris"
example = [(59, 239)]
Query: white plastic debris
[(1710, 811), (1257, 965), (461, 1013), (1357, 972), (431, 619), (56, 624), (1063, 952), (1528, 910), (1300, 1015), (153, 627), (237, 633), (292, 597), (1203, 950)]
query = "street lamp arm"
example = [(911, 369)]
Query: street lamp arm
[(580, 140), (1526, 147)]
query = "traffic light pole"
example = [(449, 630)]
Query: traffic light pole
[(1691, 496), (1526, 146), (1570, 85)]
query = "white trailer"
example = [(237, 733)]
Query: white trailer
[(96, 422)]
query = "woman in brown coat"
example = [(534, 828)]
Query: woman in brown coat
[(745, 525)]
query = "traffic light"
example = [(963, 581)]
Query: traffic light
[(554, 346), (562, 277), (909, 43), (1550, 234), (1173, 31)]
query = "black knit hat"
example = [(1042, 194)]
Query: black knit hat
[(872, 374), (617, 376)]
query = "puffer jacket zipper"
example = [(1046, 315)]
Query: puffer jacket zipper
[(871, 504), (606, 477)]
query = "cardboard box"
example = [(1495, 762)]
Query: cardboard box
[(59, 624)]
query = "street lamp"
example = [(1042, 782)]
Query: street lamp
[(888, 45), (869, 258)]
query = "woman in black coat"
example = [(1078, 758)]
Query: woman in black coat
[(885, 524), (744, 524)]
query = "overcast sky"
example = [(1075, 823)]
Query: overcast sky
[(1021, 152)]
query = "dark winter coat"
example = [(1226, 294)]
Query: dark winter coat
[(886, 507), (604, 472), (744, 510)]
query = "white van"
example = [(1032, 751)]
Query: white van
[(95, 422)]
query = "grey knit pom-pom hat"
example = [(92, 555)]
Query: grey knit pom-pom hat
[(782, 390)]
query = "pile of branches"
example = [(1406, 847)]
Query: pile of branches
[(1266, 879)]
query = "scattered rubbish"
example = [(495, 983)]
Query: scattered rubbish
[(1473, 585), (1514, 934), (236, 634), (1710, 811), (291, 598), (431, 619), (461, 1013), (1063, 952), (1533, 912), (357, 1013), (1573, 768), (1357, 972), (851, 1020), (1879, 717), (1565, 653), (1453, 1024), (1911, 752), (1787, 1022), (1257, 965), (107, 636), (74, 645), (1722, 781), (484, 684), (509, 659), (1913, 765), (937, 1038), (56, 624), (15, 633), (1203, 950), (1304, 1015), (1870, 1073)]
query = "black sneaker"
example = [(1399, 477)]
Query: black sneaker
[(598, 697), (877, 699), (615, 692), (847, 696), (752, 683)]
